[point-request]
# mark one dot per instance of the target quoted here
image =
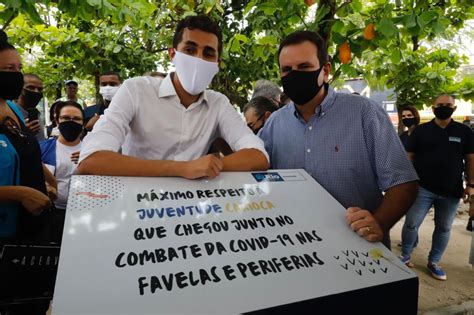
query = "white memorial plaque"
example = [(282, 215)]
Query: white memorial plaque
[(238, 243)]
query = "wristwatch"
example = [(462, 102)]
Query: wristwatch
[(470, 185)]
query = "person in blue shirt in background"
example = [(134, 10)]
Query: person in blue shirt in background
[(345, 142)]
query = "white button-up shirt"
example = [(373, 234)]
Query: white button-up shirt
[(148, 121)]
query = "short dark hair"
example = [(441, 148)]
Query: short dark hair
[(299, 37), (111, 73), (413, 110), (4, 45), (58, 106), (261, 105), (200, 22)]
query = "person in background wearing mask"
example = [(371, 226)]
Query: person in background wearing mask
[(29, 98), (170, 124), (345, 142), (441, 150), (257, 111), (410, 119), (109, 83), (61, 156)]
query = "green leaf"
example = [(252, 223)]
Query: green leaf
[(338, 38), (338, 27), (249, 7), (438, 27), (321, 12), (356, 6), (241, 38), (396, 56), (219, 8), (428, 16), (15, 4), (95, 3), (268, 8), (410, 20), (32, 13), (387, 28), (117, 49), (268, 40)]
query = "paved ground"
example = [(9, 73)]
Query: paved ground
[(456, 295)]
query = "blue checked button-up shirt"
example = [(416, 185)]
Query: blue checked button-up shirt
[(349, 146)]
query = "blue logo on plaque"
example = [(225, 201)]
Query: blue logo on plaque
[(267, 177)]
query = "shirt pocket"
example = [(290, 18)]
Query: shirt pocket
[(456, 144)]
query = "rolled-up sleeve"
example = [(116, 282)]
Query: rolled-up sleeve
[(234, 130), (111, 129)]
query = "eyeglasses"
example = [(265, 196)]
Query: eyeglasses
[(71, 118), (10, 126), (252, 124)]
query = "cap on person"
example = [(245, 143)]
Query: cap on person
[(68, 82)]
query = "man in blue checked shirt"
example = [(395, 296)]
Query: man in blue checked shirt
[(345, 141)]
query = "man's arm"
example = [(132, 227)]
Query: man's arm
[(115, 164), (395, 203), (246, 160), (411, 156)]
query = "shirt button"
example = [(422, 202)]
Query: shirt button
[(308, 150), (323, 113), (310, 127)]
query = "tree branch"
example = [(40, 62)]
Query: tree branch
[(347, 2), (416, 44), (14, 14)]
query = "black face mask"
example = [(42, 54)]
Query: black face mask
[(408, 122), (301, 86), (11, 84), (443, 112), (70, 130), (31, 98)]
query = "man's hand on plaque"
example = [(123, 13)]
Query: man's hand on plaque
[(208, 166), (363, 223)]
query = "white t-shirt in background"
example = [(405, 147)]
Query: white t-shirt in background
[(65, 168)]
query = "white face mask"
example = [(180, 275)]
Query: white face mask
[(108, 92), (194, 73)]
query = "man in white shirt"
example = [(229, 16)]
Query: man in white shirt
[(166, 126), (61, 155)]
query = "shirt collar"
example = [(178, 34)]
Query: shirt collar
[(167, 89), (325, 104)]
